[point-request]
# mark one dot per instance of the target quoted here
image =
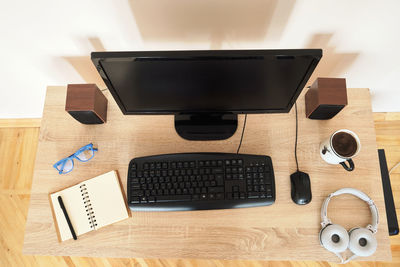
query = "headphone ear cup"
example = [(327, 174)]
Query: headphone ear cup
[(362, 242), (334, 238)]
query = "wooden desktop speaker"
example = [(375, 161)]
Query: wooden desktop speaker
[(86, 103), (325, 98)]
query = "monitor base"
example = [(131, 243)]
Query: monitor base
[(205, 126)]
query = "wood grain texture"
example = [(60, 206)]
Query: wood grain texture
[(19, 123), (283, 231), (15, 203)]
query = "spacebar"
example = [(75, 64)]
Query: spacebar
[(173, 198)]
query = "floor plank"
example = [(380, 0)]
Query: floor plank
[(18, 143)]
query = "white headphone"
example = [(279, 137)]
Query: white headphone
[(360, 241)]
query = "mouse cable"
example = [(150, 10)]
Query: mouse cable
[(241, 138), (295, 143)]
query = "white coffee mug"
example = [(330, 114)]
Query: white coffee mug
[(340, 148)]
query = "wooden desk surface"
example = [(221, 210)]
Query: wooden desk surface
[(283, 231)]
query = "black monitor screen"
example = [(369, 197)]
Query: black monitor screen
[(252, 81)]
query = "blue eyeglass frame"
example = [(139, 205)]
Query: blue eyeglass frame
[(71, 157)]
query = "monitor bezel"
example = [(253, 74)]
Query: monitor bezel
[(98, 57)]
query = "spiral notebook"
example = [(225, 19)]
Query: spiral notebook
[(90, 205)]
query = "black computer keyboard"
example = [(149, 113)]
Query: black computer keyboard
[(199, 181)]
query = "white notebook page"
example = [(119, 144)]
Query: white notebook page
[(106, 199), (73, 202)]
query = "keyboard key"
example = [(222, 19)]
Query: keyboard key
[(135, 186), (217, 171), (219, 179), (203, 196), (135, 200), (173, 198), (253, 195), (137, 193), (215, 189)]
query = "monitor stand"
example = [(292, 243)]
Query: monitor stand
[(205, 126)]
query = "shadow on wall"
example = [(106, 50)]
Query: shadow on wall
[(333, 63), (211, 21), (84, 66)]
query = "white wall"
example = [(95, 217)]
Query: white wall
[(49, 42)]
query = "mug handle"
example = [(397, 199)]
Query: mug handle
[(350, 167)]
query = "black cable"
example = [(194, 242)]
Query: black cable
[(241, 138), (295, 144)]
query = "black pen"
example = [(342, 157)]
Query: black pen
[(67, 217)]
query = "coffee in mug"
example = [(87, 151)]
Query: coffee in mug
[(340, 148)]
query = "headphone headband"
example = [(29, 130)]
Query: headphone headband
[(374, 211)]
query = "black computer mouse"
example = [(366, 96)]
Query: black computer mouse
[(301, 188)]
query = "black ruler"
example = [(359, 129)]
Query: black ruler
[(387, 192)]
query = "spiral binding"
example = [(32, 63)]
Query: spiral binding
[(88, 206)]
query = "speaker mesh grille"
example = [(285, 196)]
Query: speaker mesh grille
[(86, 117), (323, 112)]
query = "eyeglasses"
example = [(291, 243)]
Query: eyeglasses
[(83, 154)]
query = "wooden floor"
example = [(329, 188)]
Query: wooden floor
[(18, 142)]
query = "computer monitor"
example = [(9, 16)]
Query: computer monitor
[(205, 90)]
